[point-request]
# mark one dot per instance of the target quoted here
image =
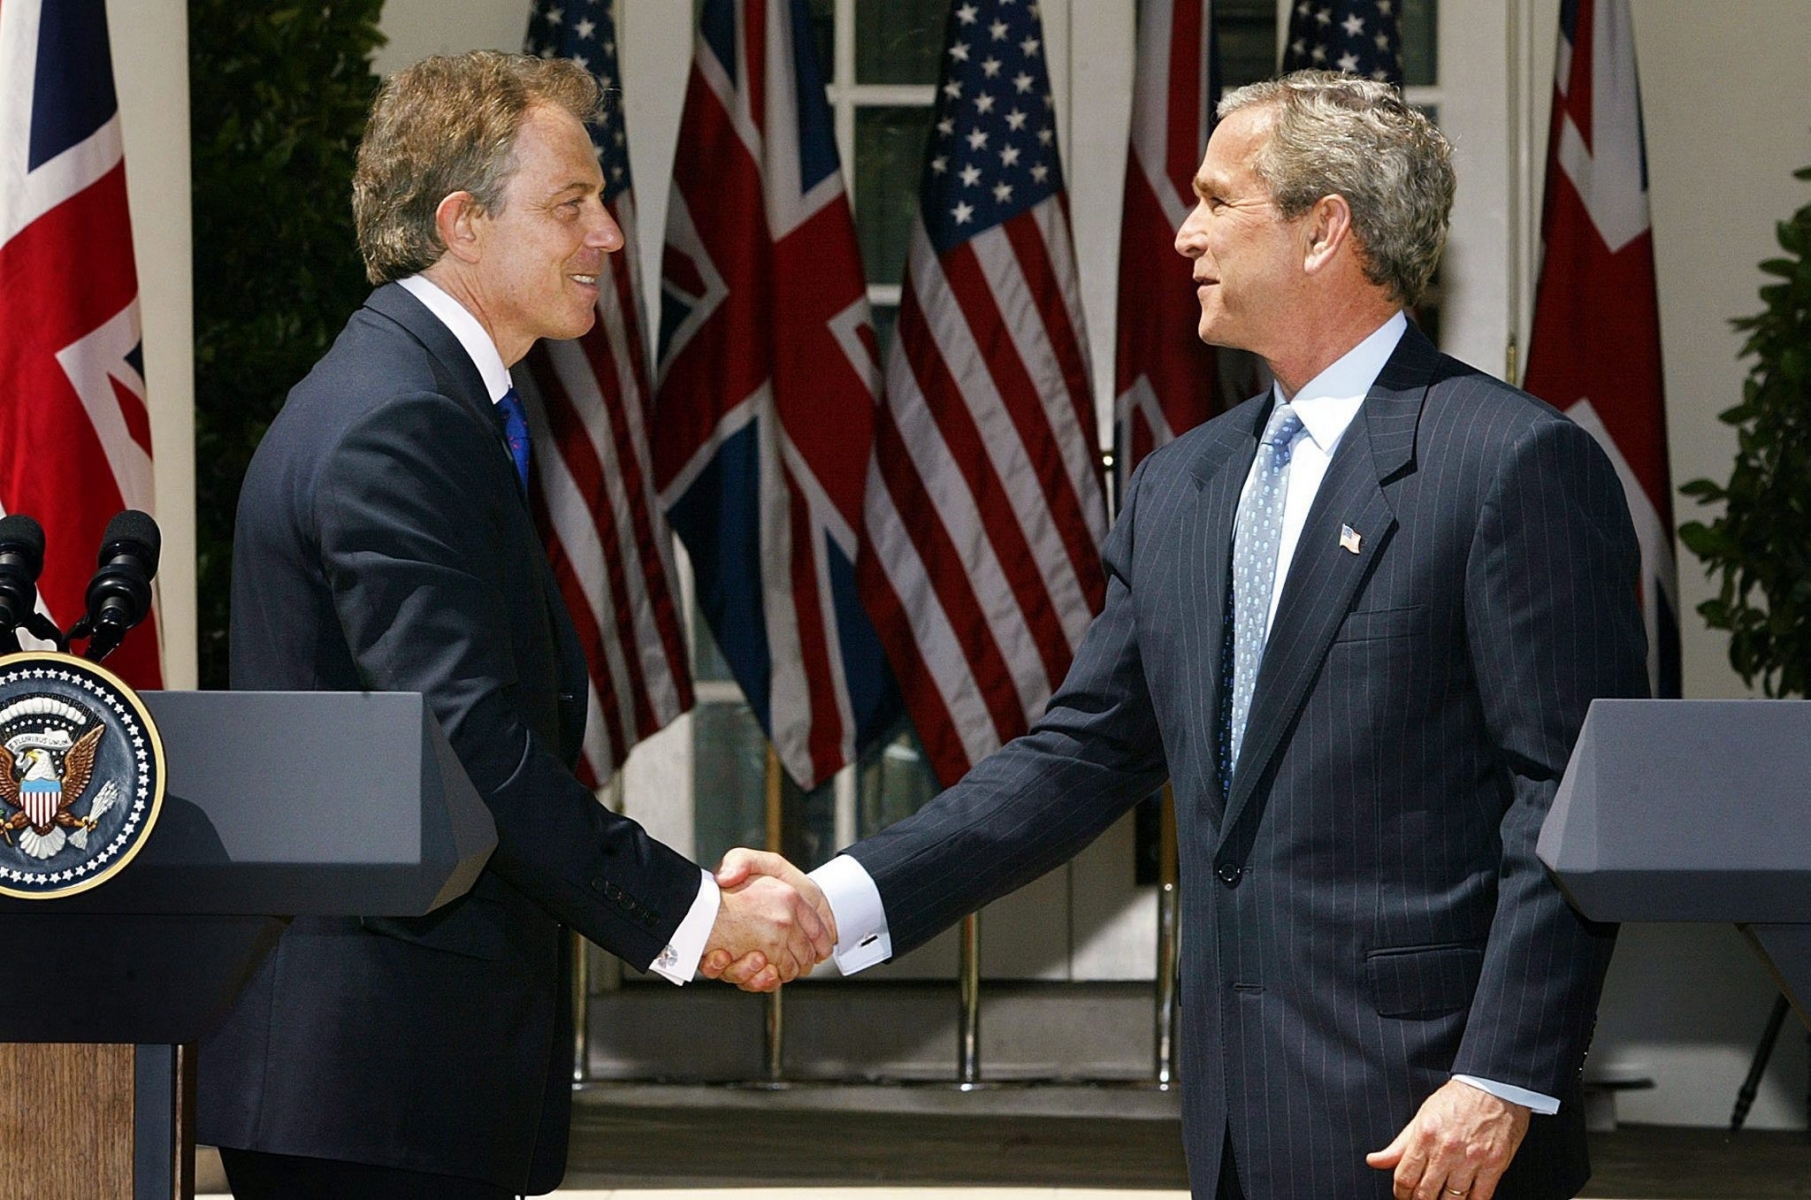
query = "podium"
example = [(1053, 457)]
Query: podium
[(1693, 810), (277, 805)]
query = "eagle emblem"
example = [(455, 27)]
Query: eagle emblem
[(45, 769), (81, 775)]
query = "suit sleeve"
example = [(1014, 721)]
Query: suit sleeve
[(1553, 623), (411, 534), (1042, 797)]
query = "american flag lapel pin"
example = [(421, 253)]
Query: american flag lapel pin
[(1349, 539)]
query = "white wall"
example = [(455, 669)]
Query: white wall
[(151, 74)]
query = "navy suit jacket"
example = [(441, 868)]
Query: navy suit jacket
[(1363, 913), (383, 544)]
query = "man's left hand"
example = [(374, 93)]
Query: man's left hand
[(1459, 1144)]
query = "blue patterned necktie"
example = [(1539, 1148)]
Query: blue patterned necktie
[(1256, 539), (515, 431)]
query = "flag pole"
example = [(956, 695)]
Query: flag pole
[(1169, 940), (776, 837), (581, 1011), (1513, 142), (612, 798), (968, 1031)]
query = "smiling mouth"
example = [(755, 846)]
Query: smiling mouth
[(587, 280)]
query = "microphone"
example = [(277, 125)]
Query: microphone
[(119, 595), (21, 561)]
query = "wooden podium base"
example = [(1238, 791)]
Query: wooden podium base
[(94, 1121)]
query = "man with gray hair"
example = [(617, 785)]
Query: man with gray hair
[(384, 543), (1357, 622)]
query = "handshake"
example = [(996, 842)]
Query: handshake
[(773, 924)]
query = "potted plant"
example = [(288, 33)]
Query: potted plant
[(1761, 543)]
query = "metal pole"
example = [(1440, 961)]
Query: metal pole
[(1169, 941), (1512, 14), (968, 1031), (581, 1010), (776, 840), (611, 798)]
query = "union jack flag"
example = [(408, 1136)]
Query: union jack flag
[(1359, 37), (985, 511), (1164, 377), (768, 377), (1595, 347), (593, 493), (75, 432)]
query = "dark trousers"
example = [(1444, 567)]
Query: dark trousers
[(1228, 1188), (255, 1175)]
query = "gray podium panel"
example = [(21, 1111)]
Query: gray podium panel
[(1693, 810), (277, 805), (300, 804)]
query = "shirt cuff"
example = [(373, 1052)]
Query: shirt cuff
[(1539, 1103), (679, 961), (861, 919)]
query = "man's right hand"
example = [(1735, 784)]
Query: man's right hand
[(752, 967), (768, 929)]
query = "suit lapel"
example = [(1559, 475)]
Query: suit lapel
[(460, 380), (1327, 570), (459, 374), (1221, 464)]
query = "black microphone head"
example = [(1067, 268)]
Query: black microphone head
[(21, 534), (132, 532)]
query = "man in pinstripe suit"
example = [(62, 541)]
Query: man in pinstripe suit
[(1357, 620)]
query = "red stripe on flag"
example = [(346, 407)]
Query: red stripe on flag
[(1065, 340), (591, 639), (573, 445), (655, 590), (1182, 144), (966, 450), (931, 718), (825, 739), (917, 512), (754, 30)]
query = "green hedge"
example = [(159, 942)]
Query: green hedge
[(278, 95)]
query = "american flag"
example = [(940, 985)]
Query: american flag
[(985, 511), (768, 378), (75, 432), (1595, 347), (1358, 37), (593, 492), (1164, 376)]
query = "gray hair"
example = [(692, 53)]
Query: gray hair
[(448, 125), (1340, 135)]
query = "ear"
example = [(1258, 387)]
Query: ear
[(1326, 230), (457, 219)]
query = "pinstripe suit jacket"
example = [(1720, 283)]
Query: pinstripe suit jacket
[(1363, 914)]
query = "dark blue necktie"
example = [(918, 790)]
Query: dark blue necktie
[(515, 431)]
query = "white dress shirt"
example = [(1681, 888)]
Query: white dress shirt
[(678, 962), (1326, 405)]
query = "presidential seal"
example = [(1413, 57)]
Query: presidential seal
[(81, 775)]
